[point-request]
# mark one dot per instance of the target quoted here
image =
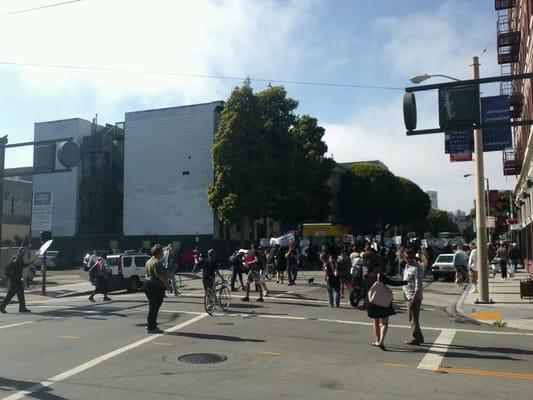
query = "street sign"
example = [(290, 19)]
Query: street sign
[(459, 157), (46, 245), (459, 107), (459, 142), (495, 109), (490, 222), (494, 197), (41, 216)]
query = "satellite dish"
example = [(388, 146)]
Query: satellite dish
[(68, 154), (44, 247)]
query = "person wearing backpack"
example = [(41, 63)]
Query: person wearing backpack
[(102, 275), (14, 274)]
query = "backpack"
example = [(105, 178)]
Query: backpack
[(93, 273)]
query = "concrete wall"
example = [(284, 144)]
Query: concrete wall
[(64, 186), (167, 170)]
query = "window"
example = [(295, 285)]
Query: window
[(140, 261), (126, 261)]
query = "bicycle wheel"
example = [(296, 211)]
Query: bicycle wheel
[(224, 298), (210, 301)]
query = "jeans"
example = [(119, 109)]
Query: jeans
[(172, 278), (155, 294), (237, 272), (413, 309), (101, 286), (15, 288), (334, 295), (503, 268), (292, 272)]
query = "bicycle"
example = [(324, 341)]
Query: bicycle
[(218, 295)]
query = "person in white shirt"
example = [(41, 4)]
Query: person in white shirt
[(472, 266)]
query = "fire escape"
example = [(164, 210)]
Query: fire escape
[(508, 44)]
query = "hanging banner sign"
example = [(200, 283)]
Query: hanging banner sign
[(496, 109), (459, 142), (459, 157), (494, 197), (41, 216)]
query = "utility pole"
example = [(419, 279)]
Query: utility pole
[(3, 142), (481, 215)]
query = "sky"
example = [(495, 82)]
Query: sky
[(376, 43)]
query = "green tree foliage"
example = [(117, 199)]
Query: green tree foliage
[(268, 161), (371, 197)]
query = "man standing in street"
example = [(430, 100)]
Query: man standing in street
[(14, 273), (169, 262), (154, 287), (460, 260), (414, 275)]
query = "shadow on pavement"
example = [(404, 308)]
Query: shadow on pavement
[(207, 336), (7, 384)]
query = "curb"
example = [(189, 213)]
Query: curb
[(460, 311)]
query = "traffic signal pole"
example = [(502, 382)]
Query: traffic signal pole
[(3, 142), (481, 212)]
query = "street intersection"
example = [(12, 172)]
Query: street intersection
[(291, 346)]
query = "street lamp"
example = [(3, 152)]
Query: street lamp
[(421, 78), (481, 224)]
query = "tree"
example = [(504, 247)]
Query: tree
[(236, 189), (367, 196), (412, 203), (268, 161)]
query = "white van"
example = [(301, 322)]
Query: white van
[(127, 271)]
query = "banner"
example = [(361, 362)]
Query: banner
[(496, 109), (458, 157), (283, 241), (494, 197), (459, 142), (41, 216)]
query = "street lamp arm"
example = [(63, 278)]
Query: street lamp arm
[(421, 78)]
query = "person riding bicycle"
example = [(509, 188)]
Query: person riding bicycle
[(209, 271)]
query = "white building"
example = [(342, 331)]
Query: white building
[(433, 197), (167, 170)]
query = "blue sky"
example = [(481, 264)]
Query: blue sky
[(363, 42)]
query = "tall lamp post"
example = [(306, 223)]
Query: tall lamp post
[(481, 233)]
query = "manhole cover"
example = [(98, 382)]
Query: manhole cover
[(202, 358), (226, 323)]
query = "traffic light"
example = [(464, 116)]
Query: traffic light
[(45, 236)]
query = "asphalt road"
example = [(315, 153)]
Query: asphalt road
[(291, 346)]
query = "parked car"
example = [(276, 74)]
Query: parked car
[(54, 260), (443, 267), (127, 271)]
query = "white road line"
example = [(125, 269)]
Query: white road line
[(283, 294), (89, 364), (346, 322), (433, 358), (14, 325)]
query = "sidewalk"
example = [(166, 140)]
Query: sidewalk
[(508, 307)]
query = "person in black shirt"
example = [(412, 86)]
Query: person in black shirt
[(209, 271), (14, 273)]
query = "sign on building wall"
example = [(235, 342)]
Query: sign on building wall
[(41, 215)]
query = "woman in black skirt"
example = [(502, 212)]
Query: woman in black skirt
[(380, 315)]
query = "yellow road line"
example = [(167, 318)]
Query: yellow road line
[(161, 344), (270, 353), (482, 372), (396, 365), (69, 337), (495, 315)]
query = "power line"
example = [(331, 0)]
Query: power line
[(39, 8), (487, 46), (190, 75)]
